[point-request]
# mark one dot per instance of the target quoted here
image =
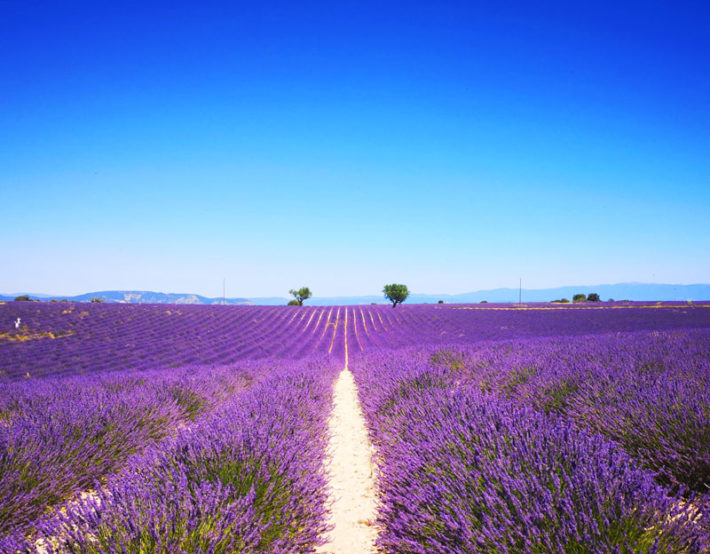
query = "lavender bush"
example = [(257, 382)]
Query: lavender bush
[(649, 392), (464, 471), (61, 436), (246, 478)]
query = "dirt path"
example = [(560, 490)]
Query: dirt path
[(350, 469)]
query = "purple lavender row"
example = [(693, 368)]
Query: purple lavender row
[(58, 338), (466, 471), (60, 436), (649, 392), (248, 477)]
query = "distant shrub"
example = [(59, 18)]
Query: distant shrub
[(610, 300), (293, 303), (97, 300), (441, 301), (579, 298), (23, 298), (593, 297), (561, 301), (484, 301), (304, 293)]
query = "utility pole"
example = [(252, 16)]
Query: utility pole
[(520, 292), (224, 292)]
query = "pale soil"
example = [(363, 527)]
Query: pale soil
[(41, 545), (351, 472)]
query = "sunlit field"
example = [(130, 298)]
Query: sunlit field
[(533, 428)]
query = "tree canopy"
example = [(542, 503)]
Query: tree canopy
[(396, 293), (593, 297), (579, 298), (301, 294)]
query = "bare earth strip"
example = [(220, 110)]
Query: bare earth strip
[(350, 470)]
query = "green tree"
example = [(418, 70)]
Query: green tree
[(579, 298), (396, 293), (593, 297), (23, 298), (301, 294)]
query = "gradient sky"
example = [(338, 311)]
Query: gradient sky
[(449, 146)]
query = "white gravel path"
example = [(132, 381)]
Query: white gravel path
[(351, 471)]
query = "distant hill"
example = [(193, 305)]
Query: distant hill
[(621, 291), (136, 297)]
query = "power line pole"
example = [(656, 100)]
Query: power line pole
[(520, 292), (224, 292)]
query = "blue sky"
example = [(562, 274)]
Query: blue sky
[(449, 146)]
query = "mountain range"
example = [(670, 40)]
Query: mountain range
[(620, 291)]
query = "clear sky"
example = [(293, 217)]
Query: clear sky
[(343, 145)]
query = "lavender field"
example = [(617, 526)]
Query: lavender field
[(496, 428)]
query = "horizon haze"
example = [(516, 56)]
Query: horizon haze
[(619, 291)]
